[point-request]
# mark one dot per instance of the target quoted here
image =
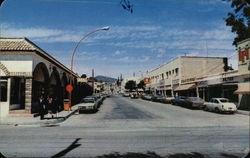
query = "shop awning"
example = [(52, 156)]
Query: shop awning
[(243, 88), (185, 87)]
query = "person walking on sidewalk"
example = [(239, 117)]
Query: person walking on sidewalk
[(50, 106), (42, 107)]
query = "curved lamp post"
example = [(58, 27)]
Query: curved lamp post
[(70, 87)]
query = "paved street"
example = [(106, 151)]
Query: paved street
[(126, 125)]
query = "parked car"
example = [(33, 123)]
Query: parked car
[(193, 102), (125, 94), (221, 105), (156, 98), (179, 100), (147, 96), (133, 95), (88, 104), (166, 99)]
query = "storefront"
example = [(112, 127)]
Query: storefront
[(27, 73)]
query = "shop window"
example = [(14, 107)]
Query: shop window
[(3, 91), (15, 90)]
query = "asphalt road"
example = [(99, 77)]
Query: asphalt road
[(125, 127)]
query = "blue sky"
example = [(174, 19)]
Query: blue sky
[(156, 32)]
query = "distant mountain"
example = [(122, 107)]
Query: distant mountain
[(105, 79)]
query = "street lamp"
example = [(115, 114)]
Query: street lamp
[(69, 87)]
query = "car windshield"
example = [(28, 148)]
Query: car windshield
[(195, 99), (88, 100), (224, 100)]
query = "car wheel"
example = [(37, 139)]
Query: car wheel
[(206, 108), (217, 110)]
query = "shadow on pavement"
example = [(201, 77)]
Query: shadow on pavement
[(2, 156), (72, 146), (151, 155), (154, 155)]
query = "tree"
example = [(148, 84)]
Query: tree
[(84, 76), (141, 85), (239, 19), (131, 85)]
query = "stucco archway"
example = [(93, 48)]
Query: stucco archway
[(39, 85)]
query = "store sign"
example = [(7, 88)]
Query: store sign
[(188, 80), (161, 82), (147, 80), (243, 55), (228, 79), (25, 74)]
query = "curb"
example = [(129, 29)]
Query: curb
[(59, 120), (242, 112)]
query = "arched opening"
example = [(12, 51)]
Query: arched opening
[(55, 88), (64, 82), (39, 85)]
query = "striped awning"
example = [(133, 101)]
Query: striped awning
[(243, 88), (185, 87)]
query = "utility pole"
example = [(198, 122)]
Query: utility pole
[(93, 81)]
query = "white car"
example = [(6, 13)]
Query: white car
[(88, 104), (220, 105)]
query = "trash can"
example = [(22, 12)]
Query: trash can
[(66, 105)]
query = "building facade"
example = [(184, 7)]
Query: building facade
[(28, 72), (177, 76)]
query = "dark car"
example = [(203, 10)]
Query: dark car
[(166, 99), (157, 98), (179, 100), (194, 102), (134, 96), (188, 102)]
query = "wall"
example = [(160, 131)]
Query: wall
[(195, 67)]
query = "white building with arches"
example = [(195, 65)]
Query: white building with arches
[(26, 73)]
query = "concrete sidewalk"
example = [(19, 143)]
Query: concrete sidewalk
[(243, 112), (30, 120)]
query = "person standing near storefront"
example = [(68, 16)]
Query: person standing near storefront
[(42, 107), (50, 106)]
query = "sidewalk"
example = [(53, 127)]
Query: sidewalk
[(30, 120), (243, 112)]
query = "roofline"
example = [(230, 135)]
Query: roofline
[(184, 57), (42, 53), (248, 39)]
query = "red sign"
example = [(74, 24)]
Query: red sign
[(69, 88), (147, 80), (243, 55)]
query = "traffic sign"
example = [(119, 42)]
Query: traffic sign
[(69, 88)]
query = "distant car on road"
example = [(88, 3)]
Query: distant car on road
[(156, 98), (88, 104), (221, 105), (147, 96), (133, 95), (125, 94)]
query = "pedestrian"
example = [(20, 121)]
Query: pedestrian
[(50, 106), (55, 106), (42, 107)]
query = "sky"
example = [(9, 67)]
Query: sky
[(155, 33)]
